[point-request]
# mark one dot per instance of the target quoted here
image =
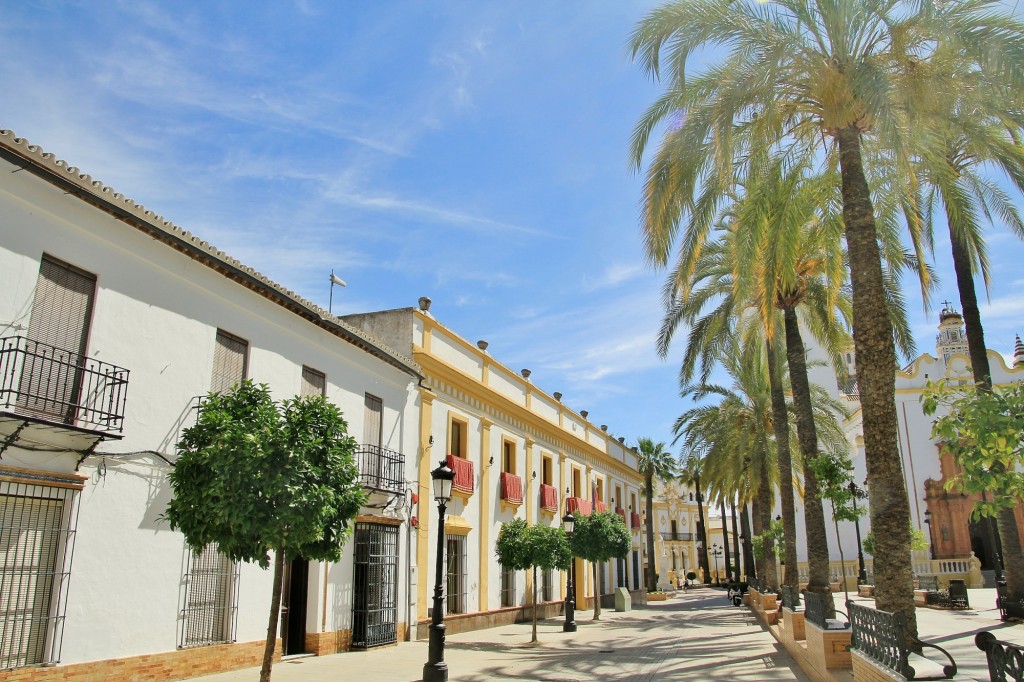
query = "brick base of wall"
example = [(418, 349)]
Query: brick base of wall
[(467, 622), (866, 670), (170, 665), (828, 649)]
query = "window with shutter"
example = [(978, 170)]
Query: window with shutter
[(373, 423), (313, 383), (230, 361), (58, 331)]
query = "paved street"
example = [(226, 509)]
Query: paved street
[(698, 636)]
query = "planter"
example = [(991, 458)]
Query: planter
[(657, 596), (835, 586), (865, 590)]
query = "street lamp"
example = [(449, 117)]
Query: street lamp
[(569, 523), (862, 573), (716, 552), (931, 540), (435, 669)]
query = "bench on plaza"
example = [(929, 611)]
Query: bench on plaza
[(792, 624), (953, 598), (1009, 608), (928, 582), (880, 640), (827, 637), (1005, 660)]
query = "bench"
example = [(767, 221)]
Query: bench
[(1009, 608), (827, 637), (1005, 660), (880, 638), (953, 598), (790, 598), (928, 582)]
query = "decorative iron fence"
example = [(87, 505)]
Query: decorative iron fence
[(819, 608), (678, 537), (1005, 660), (381, 468), (53, 384), (882, 637), (790, 597)]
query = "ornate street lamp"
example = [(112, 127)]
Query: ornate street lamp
[(435, 669), (862, 574), (569, 524), (716, 552)]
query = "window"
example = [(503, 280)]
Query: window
[(546, 476), (632, 502), (230, 362), (373, 422), (547, 589), (508, 587), (620, 572), (211, 598), (314, 383), (375, 585), (455, 554), (457, 430), (674, 527), (37, 533), (618, 496), (58, 332), (600, 490), (576, 483), (508, 456)]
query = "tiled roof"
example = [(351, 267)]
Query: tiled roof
[(93, 191)]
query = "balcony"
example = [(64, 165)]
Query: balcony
[(66, 399), (511, 488), (677, 537), (600, 506), (464, 480), (635, 522), (622, 514), (548, 498), (381, 469), (577, 506)]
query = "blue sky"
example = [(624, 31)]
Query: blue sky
[(472, 152)]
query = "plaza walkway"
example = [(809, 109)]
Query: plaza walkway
[(697, 636)]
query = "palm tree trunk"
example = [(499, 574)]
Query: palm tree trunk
[(725, 538), (1009, 537), (652, 580), (749, 569), (763, 519), (780, 424), (736, 543), (702, 534), (807, 433), (876, 367), (275, 613)]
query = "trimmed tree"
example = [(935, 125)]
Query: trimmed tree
[(522, 548), (597, 538), (258, 477)]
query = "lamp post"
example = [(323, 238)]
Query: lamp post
[(716, 552), (569, 523), (435, 669), (862, 573), (931, 542)]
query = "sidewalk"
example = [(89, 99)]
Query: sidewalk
[(697, 636)]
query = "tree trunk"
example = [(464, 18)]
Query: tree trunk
[(652, 580), (763, 518), (842, 558), (876, 377), (533, 640), (702, 534), (1013, 553), (725, 538), (736, 543), (807, 434), (597, 594), (780, 424), (748, 555), (275, 614)]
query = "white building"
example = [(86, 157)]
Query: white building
[(112, 322)]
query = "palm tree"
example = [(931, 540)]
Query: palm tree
[(653, 461), (797, 73), (690, 475)]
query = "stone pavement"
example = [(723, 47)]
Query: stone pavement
[(697, 636)]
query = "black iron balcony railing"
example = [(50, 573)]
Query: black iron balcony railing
[(58, 385), (678, 537), (381, 468)]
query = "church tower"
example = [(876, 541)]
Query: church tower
[(1018, 354), (951, 337)]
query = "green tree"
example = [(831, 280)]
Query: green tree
[(834, 473), (984, 431), (794, 73), (597, 538), (653, 461), (522, 548), (260, 478)]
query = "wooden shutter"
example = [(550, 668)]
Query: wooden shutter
[(373, 423), (313, 382), (229, 361)]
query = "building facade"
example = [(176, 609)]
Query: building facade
[(517, 451), (113, 323)]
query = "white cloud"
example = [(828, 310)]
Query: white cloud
[(614, 275)]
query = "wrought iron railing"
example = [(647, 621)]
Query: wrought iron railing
[(1005, 660), (882, 637), (1010, 608), (678, 537), (381, 468), (58, 385), (790, 597), (819, 608)]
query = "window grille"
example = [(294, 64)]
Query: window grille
[(455, 588), (508, 587), (375, 591), (210, 611), (314, 383), (547, 590), (229, 362), (37, 536)]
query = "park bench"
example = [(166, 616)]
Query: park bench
[(953, 598), (881, 638), (790, 598), (736, 590), (792, 626), (928, 582), (1009, 609), (1005, 660), (826, 635)]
